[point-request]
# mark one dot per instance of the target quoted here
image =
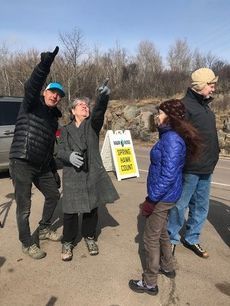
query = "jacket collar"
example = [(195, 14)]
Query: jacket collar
[(196, 96), (77, 134), (56, 112), (163, 129)]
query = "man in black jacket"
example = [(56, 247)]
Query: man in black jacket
[(197, 175), (31, 154)]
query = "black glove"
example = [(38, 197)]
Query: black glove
[(57, 179), (48, 57)]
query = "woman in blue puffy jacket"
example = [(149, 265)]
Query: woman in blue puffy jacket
[(178, 140)]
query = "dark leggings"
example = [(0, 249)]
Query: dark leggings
[(88, 228)]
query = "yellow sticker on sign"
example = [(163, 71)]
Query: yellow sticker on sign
[(125, 160)]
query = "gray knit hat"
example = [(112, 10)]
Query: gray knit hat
[(202, 77)]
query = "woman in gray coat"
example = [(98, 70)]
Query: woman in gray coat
[(86, 184)]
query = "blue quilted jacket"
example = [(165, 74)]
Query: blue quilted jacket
[(164, 182)]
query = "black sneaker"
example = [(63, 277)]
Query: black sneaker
[(136, 287), (196, 248), (169, 274)]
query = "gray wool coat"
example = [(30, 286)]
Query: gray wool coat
[(85, 190)]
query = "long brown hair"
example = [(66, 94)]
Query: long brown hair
[(175, 110)]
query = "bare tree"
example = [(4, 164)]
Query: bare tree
[(74, 50), (139, 76), (130, 80), (148, 58), (198, 60), (4, 78), (179, 56), (210, 60), (150, 65), (218, 66), (114, 61), (22, 64), (4, 53), (15, 69)]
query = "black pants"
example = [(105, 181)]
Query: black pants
[(88, 228), (23, 175)]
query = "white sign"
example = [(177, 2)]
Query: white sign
[(118, 154)]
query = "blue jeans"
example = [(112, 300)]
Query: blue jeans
[(195, 196)]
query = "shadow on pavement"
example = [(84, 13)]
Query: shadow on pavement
[(57, 219), (139, 239), (4, 174), (224, 287), (52, 301), (5, 208), (219, 217), (2, 261), (56, 222), (105, 219)]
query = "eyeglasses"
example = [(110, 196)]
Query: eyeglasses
[(82, 104)]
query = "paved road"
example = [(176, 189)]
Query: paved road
[(221, 175), (102, 280)]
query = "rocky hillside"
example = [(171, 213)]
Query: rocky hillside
[(137, 116)]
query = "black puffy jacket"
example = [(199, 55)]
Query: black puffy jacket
[(203, 118), (34, 135)]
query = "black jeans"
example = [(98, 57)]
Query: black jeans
[(88, 228), (23, 175)]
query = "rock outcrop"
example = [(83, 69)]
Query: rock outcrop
[(138, 117)]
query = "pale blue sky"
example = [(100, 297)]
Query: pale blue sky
[(26, 24)]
